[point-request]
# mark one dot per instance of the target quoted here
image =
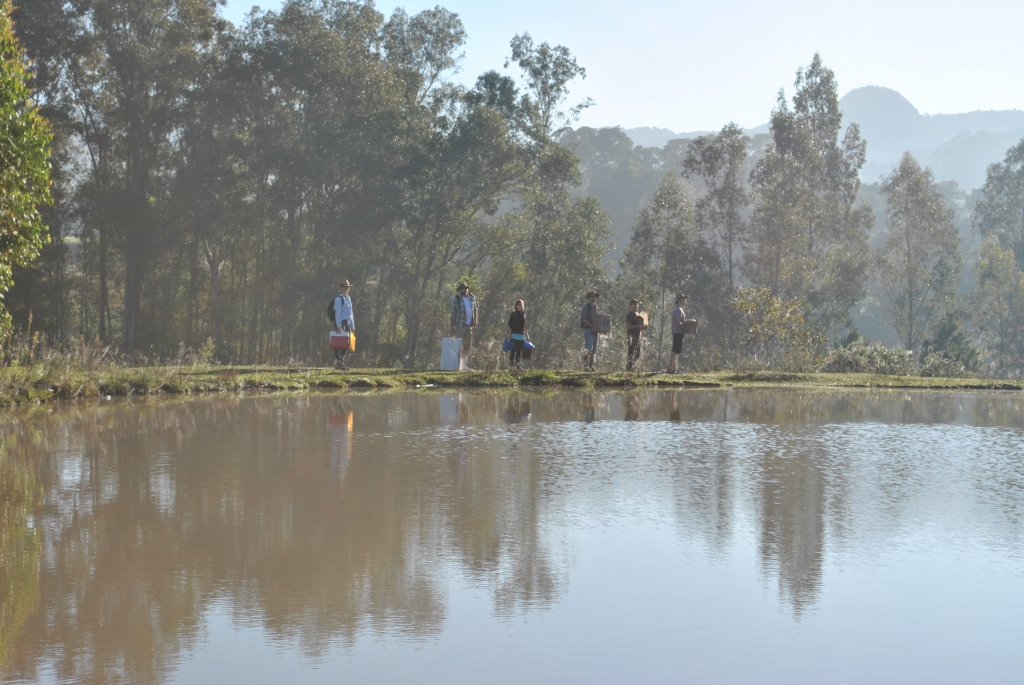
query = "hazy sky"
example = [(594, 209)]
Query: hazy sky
[(689, 66)]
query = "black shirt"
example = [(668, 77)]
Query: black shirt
[(634, 324), (517, 322)]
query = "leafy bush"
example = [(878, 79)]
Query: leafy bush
[(940, 365), (861, 357), (950, 349), (778, 332)]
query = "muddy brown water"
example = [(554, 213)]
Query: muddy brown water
[(704, 536)]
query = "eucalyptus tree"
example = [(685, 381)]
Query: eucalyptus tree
[(807, 238), (719, 161), (919, 264), (668, 255), (998, 307), (24, 169), (1000, 212)]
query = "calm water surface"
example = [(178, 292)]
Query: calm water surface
[(696, 536)]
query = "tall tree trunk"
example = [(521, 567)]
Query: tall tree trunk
[(132, 292)]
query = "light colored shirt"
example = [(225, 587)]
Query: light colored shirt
[(343, 312), (678, 317), (463, 308)]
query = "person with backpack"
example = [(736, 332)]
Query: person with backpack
[(464, 317), (517, 334), (341, 308)]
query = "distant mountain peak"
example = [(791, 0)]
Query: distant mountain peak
[(879, 98)]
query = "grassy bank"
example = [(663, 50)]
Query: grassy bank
[(40, 384)]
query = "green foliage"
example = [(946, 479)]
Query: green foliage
[(861, 357), (668, 255), (998, 307), (779, 333), (1000, 212), (24, 168), (919, 264), (718, 160), (952, 343), (807, 239), (622, 176)]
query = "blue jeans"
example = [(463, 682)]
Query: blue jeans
[(590, 340)]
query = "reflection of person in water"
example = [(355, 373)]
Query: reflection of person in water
[(455, 413), (588, 407), (518, 410), (632, 407), (673, 407), (339, 429)]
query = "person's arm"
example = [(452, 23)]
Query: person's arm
[(338, 304), (351, 316), (508, 336)]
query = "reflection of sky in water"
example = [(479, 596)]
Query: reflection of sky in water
[(650, 536)]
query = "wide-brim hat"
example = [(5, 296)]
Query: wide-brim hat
[(461, 285), (594, 293), (345, 284)]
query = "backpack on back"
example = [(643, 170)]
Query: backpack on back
[(330, 309)]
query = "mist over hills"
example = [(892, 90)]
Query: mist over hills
[(957, 147)]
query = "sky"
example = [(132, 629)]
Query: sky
[(695, 67)]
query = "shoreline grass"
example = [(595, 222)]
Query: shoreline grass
[(39, 384)]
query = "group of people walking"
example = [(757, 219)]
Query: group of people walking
[(594, 325), (464, 317)]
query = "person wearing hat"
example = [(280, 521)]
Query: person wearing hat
[(463, 317), (678, 331), (634, 330), (343, 320), (588, 322)]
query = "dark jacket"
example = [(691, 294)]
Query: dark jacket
[(517, 322)]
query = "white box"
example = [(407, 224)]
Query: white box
[(451, 353)]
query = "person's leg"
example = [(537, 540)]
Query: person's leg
[(465, 333), (591, 345), (677, 348), (632, 352), (517, 353)]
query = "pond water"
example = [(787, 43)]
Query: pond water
[(725, 536)]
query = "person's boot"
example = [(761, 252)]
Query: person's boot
[(629, 365)]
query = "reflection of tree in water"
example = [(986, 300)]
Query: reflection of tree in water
[(704, 478), (321, 518), (493, 508), (791, 495), (20, 549), (154, 511)]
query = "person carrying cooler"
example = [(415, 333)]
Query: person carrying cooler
[(517, 334), (634, 330), (464, 317), (588, 322), (343, 321), (678, 331)]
